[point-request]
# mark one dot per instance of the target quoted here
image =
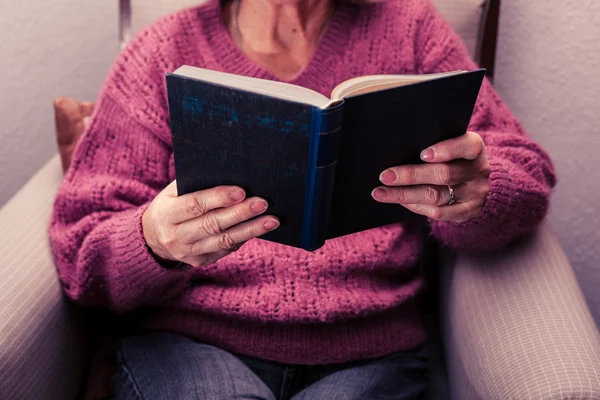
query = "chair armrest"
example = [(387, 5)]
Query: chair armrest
[(42, 349), (517, 325)]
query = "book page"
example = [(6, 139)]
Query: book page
[(374, 83), (280, 90)]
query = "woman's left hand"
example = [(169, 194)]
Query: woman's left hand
[(460, 164)]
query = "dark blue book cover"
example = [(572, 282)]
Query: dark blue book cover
[(389, 128), (316, 167)]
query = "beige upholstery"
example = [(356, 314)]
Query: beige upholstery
[(144, 12), (137, 14), (516, 326), (42, 351), (464, 15)]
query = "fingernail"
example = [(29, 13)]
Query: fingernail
[(388, 176), (236, 194), (427, 154), (378, 193), (271, 224), (259, 206)]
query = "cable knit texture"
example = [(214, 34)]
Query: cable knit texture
[(355, 297)]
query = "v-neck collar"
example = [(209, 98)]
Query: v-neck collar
[(327, 55)]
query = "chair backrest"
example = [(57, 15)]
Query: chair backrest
[(475, 21)]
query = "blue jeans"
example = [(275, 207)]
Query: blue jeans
[(161, 366)]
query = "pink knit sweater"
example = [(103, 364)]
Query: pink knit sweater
[(355, 297)]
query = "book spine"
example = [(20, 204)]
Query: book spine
[(323, 154)]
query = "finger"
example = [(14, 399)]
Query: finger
[(459, 212), (450, 173), (193, 205), (206, 259), (231, 238), (468, 146), (219, 220), (422, 194)]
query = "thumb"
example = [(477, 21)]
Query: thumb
[(171, 189)]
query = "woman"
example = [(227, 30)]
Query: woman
[(218, 320)]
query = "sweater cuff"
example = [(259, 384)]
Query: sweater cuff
[(137, 267), (495, 225)]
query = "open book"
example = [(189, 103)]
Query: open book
[(285, 91), (314, 159)]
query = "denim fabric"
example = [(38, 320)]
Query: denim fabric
[(161, 366)]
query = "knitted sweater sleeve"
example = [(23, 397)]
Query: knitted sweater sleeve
[(120, 165), (522, 174)]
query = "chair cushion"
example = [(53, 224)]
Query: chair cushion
[(71, 118), (143, 12), (465, 16)]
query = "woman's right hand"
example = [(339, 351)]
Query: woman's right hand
[(201, 227)]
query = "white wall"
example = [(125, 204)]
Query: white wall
[(548, 71), (47, 49)]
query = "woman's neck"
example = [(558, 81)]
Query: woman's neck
[(268, 26), (280, 35)]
